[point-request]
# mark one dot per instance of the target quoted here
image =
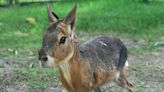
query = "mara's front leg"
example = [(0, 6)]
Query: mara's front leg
[(67, 85)]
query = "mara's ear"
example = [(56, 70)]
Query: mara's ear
[(52, 17), (71, 17)]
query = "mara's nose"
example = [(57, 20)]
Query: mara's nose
[(42, 55), (43, 58)]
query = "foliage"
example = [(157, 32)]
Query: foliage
[(137, 20)]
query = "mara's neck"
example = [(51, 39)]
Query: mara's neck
[(76, 55), (71, 61), (72, 57)]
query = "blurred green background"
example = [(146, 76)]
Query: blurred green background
[(129, 17)]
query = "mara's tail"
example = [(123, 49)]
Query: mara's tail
[(122, 58)]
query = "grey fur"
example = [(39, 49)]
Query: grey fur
[(109, 52)]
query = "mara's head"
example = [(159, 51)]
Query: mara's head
[(58, 40)]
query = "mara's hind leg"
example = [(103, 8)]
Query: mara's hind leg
[(123, 81), (97, 89)]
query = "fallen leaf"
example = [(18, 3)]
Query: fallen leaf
[(31, 20)]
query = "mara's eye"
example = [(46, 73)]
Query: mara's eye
[(62, 40)]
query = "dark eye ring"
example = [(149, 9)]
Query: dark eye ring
[(62, 40)]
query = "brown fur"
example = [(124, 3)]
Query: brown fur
[(87, 67)]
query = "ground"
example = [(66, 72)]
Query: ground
[(146, 70)]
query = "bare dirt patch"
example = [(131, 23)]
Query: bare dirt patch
[(146, 72)]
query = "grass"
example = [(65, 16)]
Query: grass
[(21, 40), (136, 20), (30, 76), (2, 1)]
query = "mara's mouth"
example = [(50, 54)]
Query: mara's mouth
[(47, 61)]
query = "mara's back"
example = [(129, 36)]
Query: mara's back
[(104, 52), (84, 68)]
